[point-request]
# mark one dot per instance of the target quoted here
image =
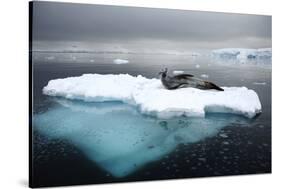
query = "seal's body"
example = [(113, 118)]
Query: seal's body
[(185, 80)]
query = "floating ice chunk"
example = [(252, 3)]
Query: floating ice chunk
[(152, 98), (92, 60), (176, 72), (223, 135), (204, 76), (197, 66), (120, 61), (259, 83)]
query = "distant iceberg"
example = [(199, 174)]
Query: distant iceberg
[(120, 61), (243, 55), (152, 99)]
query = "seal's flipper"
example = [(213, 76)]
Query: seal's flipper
[(211, 85)]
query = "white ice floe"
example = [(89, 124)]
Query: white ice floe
[(152, 98), (176, 72), (204, 76), (120, 61), (259, 83), (197, 66), (242, 55)]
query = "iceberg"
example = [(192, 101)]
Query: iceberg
[(152, 98), (120, 61), (243, 55)]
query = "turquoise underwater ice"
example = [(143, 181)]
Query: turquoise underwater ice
[(120, 139)]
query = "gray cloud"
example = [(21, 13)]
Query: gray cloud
[(93, 26)]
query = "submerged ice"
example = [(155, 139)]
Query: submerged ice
[(126, 140), (152, 98)]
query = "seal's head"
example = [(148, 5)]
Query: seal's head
[(163, 73)]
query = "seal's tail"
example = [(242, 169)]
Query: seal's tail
[(211, 85)]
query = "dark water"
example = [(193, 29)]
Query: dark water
[(240, 146)]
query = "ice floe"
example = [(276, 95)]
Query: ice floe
[(204, 76), (152, 98), (259, 83), (120, 61)]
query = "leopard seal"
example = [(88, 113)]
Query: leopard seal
[(185, 80)]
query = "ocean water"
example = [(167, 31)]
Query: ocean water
[(76, 142)]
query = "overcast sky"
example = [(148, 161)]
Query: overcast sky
[(97, 27)]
